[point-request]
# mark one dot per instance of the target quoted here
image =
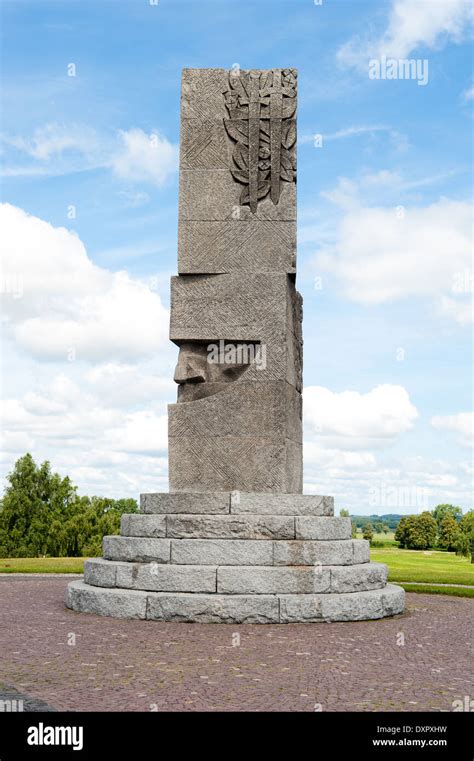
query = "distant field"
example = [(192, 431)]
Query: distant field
[(42, 565), (388, 540)]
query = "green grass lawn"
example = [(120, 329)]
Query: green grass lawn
[(42, 565), (432, 589), (425, 565)]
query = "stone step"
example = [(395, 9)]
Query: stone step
[(235, 609), (329, 552), (281, 504), (138, 549), (244, 526), (218, 503), (150, 576), (235, 579), (137, 524), (185, 502), (231, 527), (300, 579), (221, 552), (323, 528), (292, 552)]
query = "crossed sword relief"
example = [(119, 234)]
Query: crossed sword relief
[(247, 94)]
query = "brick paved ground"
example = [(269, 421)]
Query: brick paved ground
[(144, 665)]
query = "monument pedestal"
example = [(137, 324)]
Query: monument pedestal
[(236, 558)]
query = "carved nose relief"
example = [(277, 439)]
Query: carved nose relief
[(235, 540), (188, 372)]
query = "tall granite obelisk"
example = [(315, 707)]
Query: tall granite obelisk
[(235, 540), (239, 428)]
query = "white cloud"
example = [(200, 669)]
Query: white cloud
[(468, 94), (367, 483), (385, 254), (54, 139), (461, 424), (145, 158), (123, 385), (57, 149), (351, 420), (69, 307), (462, 311), (412, 24), (100, 444)]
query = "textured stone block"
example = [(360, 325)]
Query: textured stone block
[(204, 144), (236, 246), (185, 502), (221, 552), (230, 527), (137, 549), (302, 552), (233, 307), (259, 410), (214, 609), (267, 580), (118, 603), (211, 195), (281, 504), (322, 528), (143, 525), (358, 606), (201, 93), (229, 462), (166, 578), (296, 609), (361, 550), (358, 578), (393, 600), (99, 572)]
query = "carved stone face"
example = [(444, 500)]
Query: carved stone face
[(200, 374)]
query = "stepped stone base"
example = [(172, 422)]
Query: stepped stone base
[(235, 558), (236, 609)]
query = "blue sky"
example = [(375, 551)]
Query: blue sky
[(384, 232)]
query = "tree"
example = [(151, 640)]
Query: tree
[(403, 529), (416, 532), (448, 533), (344, 513), (465, 540), (35, 500), (353, 529), (368, 532), (43, 515), (442, 511), (378, 527), (386, 529), (423, 532)]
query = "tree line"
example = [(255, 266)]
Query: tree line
[(41, 514), (444, 528)]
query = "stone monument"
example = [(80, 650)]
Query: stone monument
[(235, 540)]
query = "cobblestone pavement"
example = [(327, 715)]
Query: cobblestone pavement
[(422, 660)]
